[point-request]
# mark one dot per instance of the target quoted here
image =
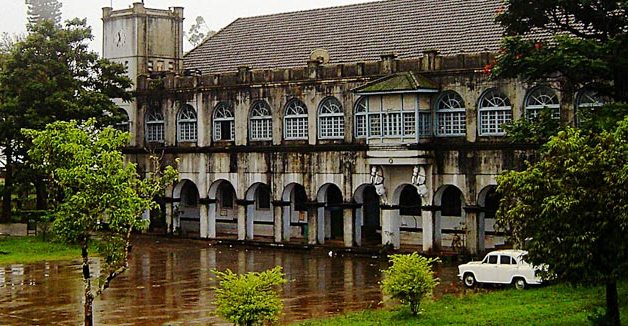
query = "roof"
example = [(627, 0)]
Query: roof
[(406, 82), (353, 33)]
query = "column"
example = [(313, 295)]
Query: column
[(312, 221), (357, 226), (211, 220), (204, 223), (169, 211), (390, 227), (474, 237), (242, 220), (278, 231), (347, 214)]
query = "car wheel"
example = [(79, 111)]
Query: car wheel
[(520, 283), (469, 280)]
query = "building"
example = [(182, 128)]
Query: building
[(357, 125)]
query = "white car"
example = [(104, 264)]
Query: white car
[(500, 267)]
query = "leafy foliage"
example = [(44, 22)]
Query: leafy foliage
[(570, 209), (199, 32), (99, 197), (535, 131), (40, 10), (410, 279), (249, 299)]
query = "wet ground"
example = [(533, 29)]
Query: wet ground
[(170, 283)]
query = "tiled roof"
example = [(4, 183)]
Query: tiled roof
[(401, 82), (353, 33)]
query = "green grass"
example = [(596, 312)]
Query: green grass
[(550, 305), (24, 250)]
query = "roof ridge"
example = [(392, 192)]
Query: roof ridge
[(367, 2)]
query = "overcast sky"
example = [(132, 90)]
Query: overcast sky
[(217, 13)]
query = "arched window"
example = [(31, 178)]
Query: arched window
[(124, 123), (361, 113), (187, 127), (494, 111), (261, 121), (295, 120), (409, 201), (331, 119), (224, 122), (451, 202), (539, 98), (451, 116), (155, 126), (587, 102)]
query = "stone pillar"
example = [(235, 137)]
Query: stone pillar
[(204, 223), (278, 223), (357, 226), (242, 234), (432, 235), (391, 224), (474, 237), (347, 214), (211, 220), (169, 211), (312, 221)]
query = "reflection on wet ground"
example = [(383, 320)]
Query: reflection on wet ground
[(170, 282)]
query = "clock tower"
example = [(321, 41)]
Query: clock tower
[(145, 41)]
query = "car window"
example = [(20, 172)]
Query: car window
[(492, 259), (513, 261), (504, 260)]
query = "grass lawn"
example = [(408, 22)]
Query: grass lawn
[(550, 305), (24, 250)]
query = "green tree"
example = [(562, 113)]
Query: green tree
[(249, 299), (570, 209), (572, 45), (39, 10), (101, 198), (410, 279), (51, 75)]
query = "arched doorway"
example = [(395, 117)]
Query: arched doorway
[(451, 216), (187, 217), (490, 236), (409, 221), (259, 214), (330, 216), (295, 223), (368, 216), (222, 205)]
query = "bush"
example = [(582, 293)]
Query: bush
[(410, 279), (249, 299)]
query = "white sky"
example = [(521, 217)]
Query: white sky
[(217, 13)]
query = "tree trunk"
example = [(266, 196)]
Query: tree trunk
[(612, 304), (8, 187), (42, 194), (89, 296)]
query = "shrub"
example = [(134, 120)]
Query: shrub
[(410, 279), (251, 298)]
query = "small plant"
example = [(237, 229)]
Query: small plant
[(249, 299), (410, 279)]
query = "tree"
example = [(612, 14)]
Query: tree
[(249, 299), (570, 209), (410, 279), (199, 32), (51, 75), (100, 198), (39, 10)]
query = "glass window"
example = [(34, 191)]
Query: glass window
[(295, 120), (451, 116), (504, 260), (492, 259), (224, 122), (495, 111), (125, 124), (187, 127), (155, 126), (261, 124), (539, 98), (588, 101), (361, 114), (331, 119)]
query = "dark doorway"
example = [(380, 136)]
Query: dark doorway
[(491, 203), (334, 199), (371, 229), (410, 201)]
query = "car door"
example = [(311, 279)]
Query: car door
[(488, 269), (505, 269)]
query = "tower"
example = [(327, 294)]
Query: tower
[(145, 41)]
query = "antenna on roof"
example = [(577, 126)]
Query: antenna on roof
[(320, 55)]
